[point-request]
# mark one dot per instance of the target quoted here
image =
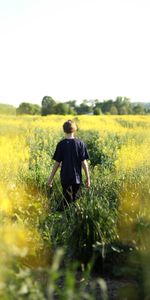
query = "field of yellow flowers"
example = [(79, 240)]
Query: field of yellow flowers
[(110, 220)]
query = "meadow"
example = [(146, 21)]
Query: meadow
[(107, 231)]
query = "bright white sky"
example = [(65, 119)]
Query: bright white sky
[(74, 49)]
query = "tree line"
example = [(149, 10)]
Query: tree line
[(121, 106)]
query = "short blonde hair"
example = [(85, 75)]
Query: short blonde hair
[(69, 126)]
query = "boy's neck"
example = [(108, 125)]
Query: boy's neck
[(70, 135)]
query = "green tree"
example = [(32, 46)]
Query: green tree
[(123, 110), (113, 110), (97, 111), (138, 109), (72, 107), (106, 106), (48, 106), (84, 108), (28, 108), (36, 109), (61, 108), (71, 111), (98, 105), (123, 105), (127, 104), (71, 103)]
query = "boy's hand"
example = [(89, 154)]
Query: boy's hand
[(54, 170), (50, 183), (88, 183)]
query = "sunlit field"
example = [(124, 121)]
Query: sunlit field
[(109, 225)]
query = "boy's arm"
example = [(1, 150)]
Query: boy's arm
[(86, 170), (54, 170)]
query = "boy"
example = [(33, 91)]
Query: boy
[(72, 155)]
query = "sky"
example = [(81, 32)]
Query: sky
[(74, 50)]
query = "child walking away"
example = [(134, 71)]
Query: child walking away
[(71, 154)]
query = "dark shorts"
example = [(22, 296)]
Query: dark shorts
[(70, 193)]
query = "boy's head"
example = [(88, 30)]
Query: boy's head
[(69, 127)]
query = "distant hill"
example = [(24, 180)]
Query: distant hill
[(7, 109)]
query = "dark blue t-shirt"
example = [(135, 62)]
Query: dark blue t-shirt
[(71, 152)]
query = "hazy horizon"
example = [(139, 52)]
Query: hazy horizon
[(74, 49)]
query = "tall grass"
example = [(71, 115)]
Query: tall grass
[(109, 223)]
